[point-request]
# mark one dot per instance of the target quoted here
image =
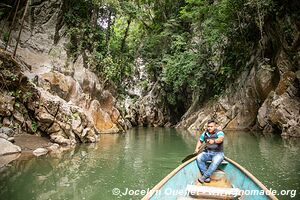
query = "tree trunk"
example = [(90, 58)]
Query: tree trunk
[(125, 34), (64, 8), (108, 29), (12, 25), (23, 18), (94, 17), (7, 19)]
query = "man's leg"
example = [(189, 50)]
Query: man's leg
[(201, 162), (216, 160)]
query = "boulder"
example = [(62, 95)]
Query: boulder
[(8, 148), (62, 120), (53, 147), (8, 131), (40, 151), (6, 104), (18, 116), (4, 136), (101, 119), (6, 159), (6, 122), (11, 139), (281, 109)]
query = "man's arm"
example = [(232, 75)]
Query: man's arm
[(199, 143), (198, 146), (219, 140)]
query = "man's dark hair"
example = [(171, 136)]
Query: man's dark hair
[(211, 121)]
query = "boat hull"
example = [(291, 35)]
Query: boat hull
[(174, 185)]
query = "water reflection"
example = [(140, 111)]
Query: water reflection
[(271, 159), (138, 160)]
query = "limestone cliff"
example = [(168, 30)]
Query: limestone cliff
[(266, 96), (149, 110), (65, 100)]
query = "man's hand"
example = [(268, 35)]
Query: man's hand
[(197, 146), (211, 141)]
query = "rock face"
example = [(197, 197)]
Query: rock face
[(51, 94), (236, 109), (8, 148), (281, 107), (268, 100), (148, 110)]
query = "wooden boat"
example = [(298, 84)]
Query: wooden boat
[(230, 181)]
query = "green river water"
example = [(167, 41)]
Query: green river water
[(138, 160)]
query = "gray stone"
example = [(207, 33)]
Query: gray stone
[(6, 159), (40, 151), (53, 147), (149, 109), (11, 139), (8, 131), (6, 104), (18, 116), (8, 148), (4, 136), (6, 122)]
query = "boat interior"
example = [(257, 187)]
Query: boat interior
[(218, 188)]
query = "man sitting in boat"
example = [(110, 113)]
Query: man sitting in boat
[(213, 151)]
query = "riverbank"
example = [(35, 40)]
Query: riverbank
[(31, 146)]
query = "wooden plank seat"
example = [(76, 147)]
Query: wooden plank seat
[(192, 198), (224, 162), (184, 198), (213, 192)]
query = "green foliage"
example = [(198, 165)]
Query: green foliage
[(17, 93), (105, 37), (179, 71), (76, 115), (34, 126), (5, 37), (27, 95), (144, 84), (115, 70), (17, 105), (191, 47), (207, 59)]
